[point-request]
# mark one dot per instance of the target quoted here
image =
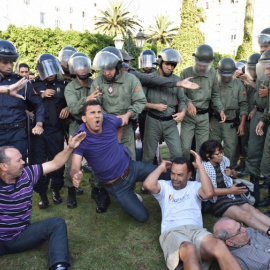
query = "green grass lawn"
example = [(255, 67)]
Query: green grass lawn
[(113, 240)]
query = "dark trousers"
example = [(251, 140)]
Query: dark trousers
[(16, 137), (53, 230), (44, 148)]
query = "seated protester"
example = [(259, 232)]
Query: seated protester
[(227, 201), (250, 247), (16, 196), (183, 237)]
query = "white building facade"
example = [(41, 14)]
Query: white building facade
[(223, 27)]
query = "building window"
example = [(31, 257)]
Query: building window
[(70, 26), (42, 17), (57, 9), (83, 14), (70, 10), (207, 5), (232, 1), (95, 4), (26, 2), (233, 36), (57, 23)]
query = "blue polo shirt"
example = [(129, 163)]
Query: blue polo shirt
[(108, 158)]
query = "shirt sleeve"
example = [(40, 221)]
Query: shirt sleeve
[(37, 172)]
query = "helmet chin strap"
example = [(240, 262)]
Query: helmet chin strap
[(113, 78), (83, 77)]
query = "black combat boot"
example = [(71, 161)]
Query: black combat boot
[(44, 202), (256, 192), (71, 200), (102, 199), (56, 196)]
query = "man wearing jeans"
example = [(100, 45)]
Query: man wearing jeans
[(110, 160), (16, 196)]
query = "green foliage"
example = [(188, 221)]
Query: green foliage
[(115, 20), (162, 31), (245, 49), (189, 36), (32, 41)]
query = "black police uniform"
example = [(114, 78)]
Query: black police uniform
[(13, 115), (46, 146)]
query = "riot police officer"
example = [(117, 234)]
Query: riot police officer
[(196, 121), (51, 142), (13, 115), (63, 56), (161, 119), (263, 67), (77, 93), (234, 100)]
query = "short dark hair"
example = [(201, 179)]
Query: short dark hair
[(182, 160), (208, 148), (89, 103), (3, 156), (23, 65)]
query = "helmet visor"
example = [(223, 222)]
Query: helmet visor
[(49, 67), (64, 56), (201, 67), (251, 71), (225, 79), (147, 61), (263, 38), (79, 65), (261, 68), (105, 60)]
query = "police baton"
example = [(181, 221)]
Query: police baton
[(65, 131), (29, 128)]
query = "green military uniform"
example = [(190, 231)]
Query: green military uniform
[(233, 98), (265, 162), (161, 124), (75, 95), (119, 97), (256, 143), (199, 125)]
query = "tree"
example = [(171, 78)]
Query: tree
[(116, 20), (162, 32), (245, 49), (33, 41), (189, 36)]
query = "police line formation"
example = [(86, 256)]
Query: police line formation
[(221, 113)]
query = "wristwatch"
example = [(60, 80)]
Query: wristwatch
[(8, 90)]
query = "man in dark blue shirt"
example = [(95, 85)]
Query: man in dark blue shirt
[(13, 115)]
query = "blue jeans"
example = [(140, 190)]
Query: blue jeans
[(123, 192), (54, 230)]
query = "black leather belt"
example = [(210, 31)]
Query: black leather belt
[(259, 109), (229, 121), (202, 111), (13, 125), (118, 179), (161, 118)]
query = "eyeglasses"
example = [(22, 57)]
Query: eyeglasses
[(239, 231)]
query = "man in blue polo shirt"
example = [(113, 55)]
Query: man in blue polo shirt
[(110, 160), (16, 196)]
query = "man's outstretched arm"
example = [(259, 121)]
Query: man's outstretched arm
[(61, 158)]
